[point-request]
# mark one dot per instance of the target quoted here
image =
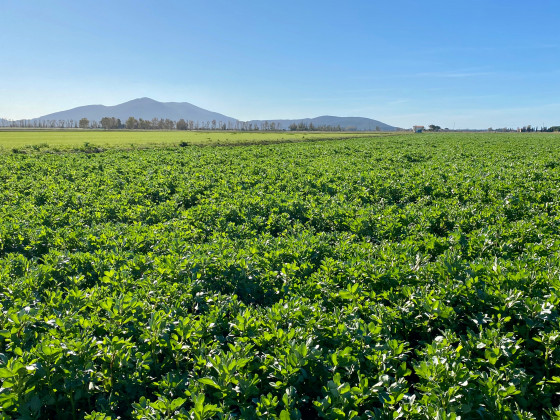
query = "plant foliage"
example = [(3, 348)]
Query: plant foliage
[(404, 277)]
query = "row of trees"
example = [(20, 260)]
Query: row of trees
[(44, 123), (301, 126), (524, 129), (529, 129), (112, 123)]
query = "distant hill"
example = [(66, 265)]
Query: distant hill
[(144, 108), (345, 123), (148, 109)]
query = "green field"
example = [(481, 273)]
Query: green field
[(71, 139), (409, 276)]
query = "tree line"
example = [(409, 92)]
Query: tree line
[(301, 126), (529, 129), (132, 123), (112, 123)]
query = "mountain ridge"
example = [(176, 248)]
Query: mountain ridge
[(147, 109)]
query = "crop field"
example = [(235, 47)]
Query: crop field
[(411, 276), (53, 140)]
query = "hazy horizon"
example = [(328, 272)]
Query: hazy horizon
[(476, 65)]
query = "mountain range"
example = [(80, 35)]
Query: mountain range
[(148, 109)]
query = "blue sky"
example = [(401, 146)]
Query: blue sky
[(462, 64)]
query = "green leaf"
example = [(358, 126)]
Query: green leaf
[(209, 381), (285, 415)]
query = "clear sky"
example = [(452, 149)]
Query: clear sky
[(462, 64)]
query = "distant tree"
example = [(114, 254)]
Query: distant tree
[(131, 123), (144, 124), (110, 123), (169, 124), (105, 123), (182, 124), (434, 127), (84, 123)]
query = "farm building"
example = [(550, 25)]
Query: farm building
[(418, 128)]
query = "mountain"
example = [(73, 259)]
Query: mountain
[(144, 108), (148, 109), (345, 123)]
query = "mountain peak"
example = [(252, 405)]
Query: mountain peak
[(145, 108), (144, 99)]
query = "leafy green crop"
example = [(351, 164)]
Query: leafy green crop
[(400, 277)]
